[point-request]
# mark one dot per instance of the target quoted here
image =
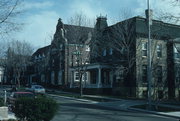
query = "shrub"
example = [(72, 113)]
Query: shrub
[(38, 109)]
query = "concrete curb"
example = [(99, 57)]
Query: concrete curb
[(156, 113), (115, 108), (73, 98)]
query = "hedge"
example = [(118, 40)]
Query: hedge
[(37, 109), (1, 102)]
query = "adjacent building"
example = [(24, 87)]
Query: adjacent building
[(111, 59)]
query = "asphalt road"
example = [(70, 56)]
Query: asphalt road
[(73, 110)]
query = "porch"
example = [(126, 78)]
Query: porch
[(95, 76)]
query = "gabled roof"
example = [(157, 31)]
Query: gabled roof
[(43, 50), (76, 34)]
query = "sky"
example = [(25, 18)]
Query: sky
[(40, 17)]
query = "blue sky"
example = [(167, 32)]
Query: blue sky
[(40, 16)]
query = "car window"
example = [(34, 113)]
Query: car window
[(12, 95), (38, 87)]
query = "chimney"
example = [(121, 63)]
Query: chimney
[(101, 23), (60, 24)]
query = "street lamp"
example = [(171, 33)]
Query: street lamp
[(149, 21)]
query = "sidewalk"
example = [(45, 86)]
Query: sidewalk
[(124, 104)]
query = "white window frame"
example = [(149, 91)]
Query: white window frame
[(144, 48), (176, 53), (159, 49), (87, 48), (76, 76)]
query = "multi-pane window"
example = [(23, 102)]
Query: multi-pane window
[(176, 53), (84, 76), (159, 50), (144, 73), (87, 48), (144, 48), (159, 73), (76, 76), (104, 52)]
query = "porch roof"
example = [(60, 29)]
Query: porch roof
[(92, 66)]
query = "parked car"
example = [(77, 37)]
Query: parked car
[(16, 95), (37, 89)]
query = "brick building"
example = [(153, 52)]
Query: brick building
[(113, 58)]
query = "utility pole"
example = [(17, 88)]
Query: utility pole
[(149, 23)]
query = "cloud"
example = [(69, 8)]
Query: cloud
[(38, 28), (158, 6), (37, 5), (41, 19), (89, 7)]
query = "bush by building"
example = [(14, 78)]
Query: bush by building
[(38, 109)]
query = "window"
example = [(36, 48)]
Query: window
[(52, 62), (104, 52), (43, 55), (76, 76), (177, 73), (160, 94), (145, 94), (144, 73), (159, 73), (159, 50), (60, 77), (144, 49), (87, 48), (61, 46), (52, 77), (176, 53), (110, 51), (84, 77)]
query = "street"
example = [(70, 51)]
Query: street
[(73, 110)]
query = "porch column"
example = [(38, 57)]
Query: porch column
[(99, 78), (72, 79)]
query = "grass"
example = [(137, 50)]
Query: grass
[(156, 108)]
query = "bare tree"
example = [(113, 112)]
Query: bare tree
[(9, 9), (80, 51), (130, 50), (18, 56), (121, 40), (167, 16)]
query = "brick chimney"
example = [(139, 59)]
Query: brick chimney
[(101, 23)]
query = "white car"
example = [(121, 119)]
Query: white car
[(37, 89)]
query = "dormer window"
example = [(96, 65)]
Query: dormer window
[(36, 57), (43, 55), (61, 46)]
